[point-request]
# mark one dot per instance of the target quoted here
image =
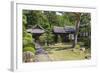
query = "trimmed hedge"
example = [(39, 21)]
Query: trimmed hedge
[(31, 49)]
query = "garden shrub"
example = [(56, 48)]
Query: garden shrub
[(42, 38), (46, 38), (29, 35), (31, 49), (27, 39), (29, 45), (50, 37)]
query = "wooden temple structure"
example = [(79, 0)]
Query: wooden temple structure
[(63, 32), (36, 32)]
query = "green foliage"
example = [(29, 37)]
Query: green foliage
[(24, 19), (52, 17), (85, 18), (46, 38), (69, 18), (50, 37), (36, 17), (27, 43), (85, 28), (43, 38), (31, 49), (27, 39), (87, 42), (28, 35)]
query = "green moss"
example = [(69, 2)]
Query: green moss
[(66, 55)]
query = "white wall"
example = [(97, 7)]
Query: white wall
[(5, 35)]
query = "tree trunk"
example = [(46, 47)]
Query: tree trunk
[(78, 15)]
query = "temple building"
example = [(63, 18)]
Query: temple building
[(65, 33)]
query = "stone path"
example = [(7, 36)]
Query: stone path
[(41, 54)]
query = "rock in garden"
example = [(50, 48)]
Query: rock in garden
[(82, 49), (28, 56), (88, 56)]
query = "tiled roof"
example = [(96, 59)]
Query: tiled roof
[(66, 29)]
